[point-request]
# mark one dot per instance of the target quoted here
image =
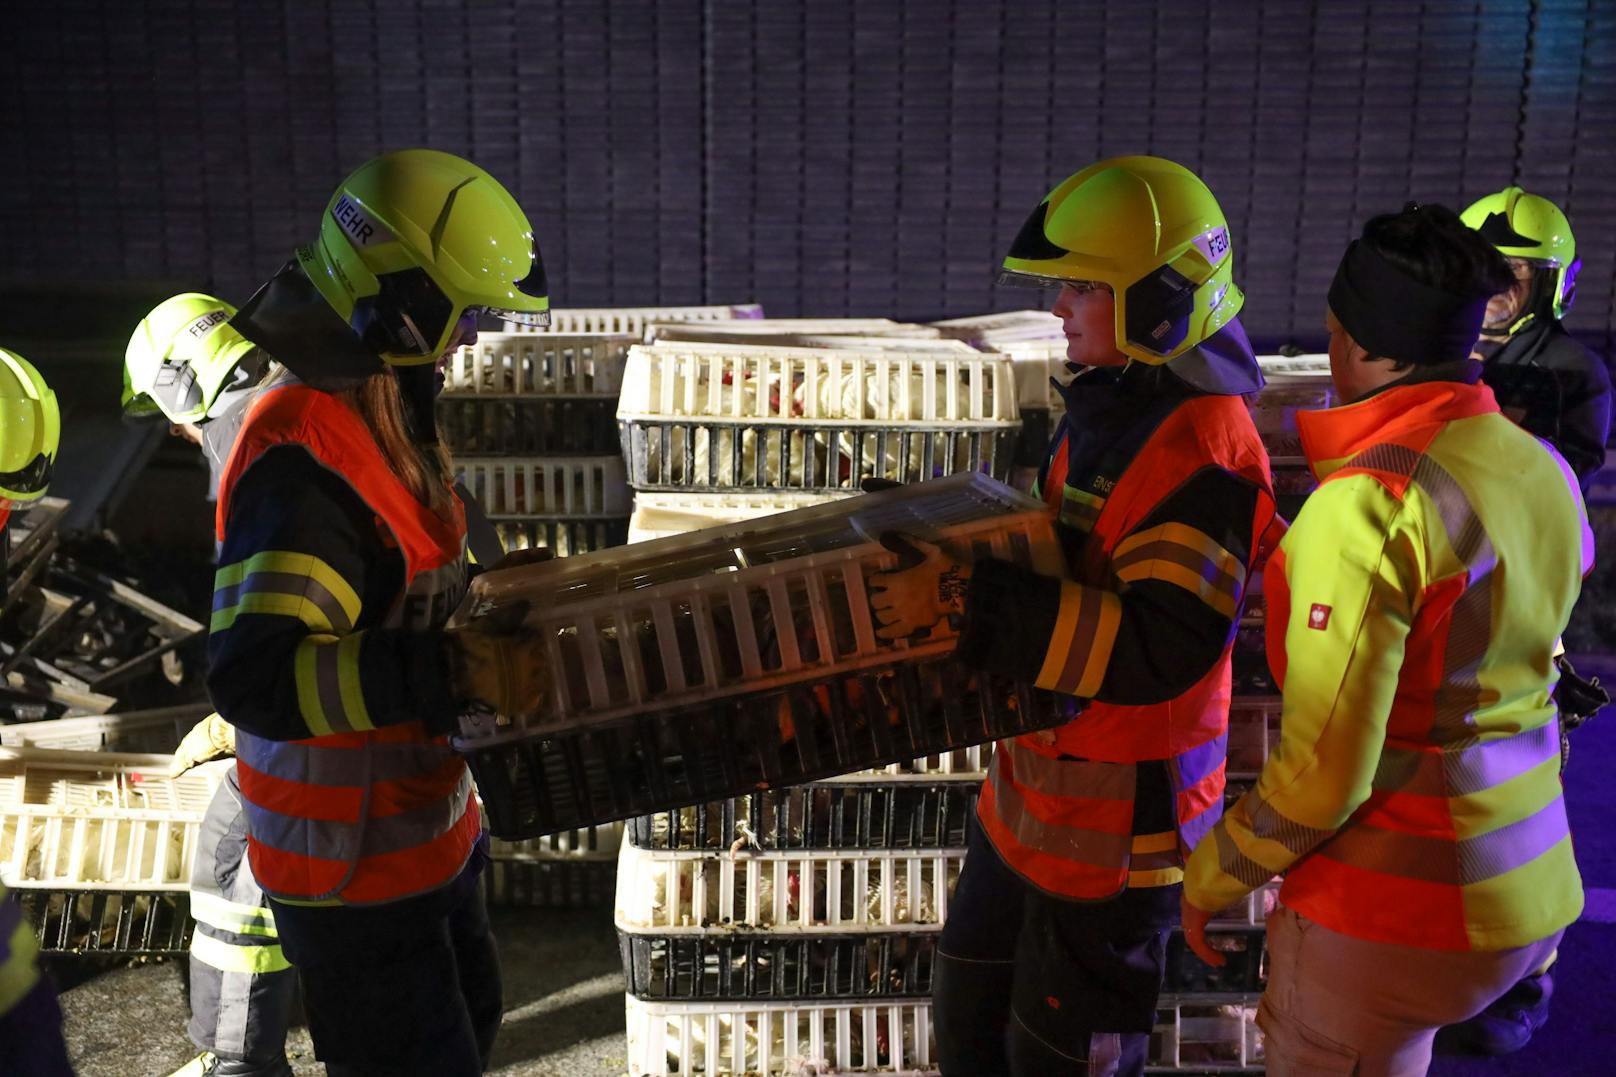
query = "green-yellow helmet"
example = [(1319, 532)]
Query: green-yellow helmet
[(1151, 230), (30, 430), (416, 239), (182, 356), (1530, 227)]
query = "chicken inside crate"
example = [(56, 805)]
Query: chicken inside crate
[(731, 966), (743, 657), (1206, 1036), (724, 416), (820, 815)]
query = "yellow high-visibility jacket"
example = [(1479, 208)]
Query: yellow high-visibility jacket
[(1413, 613)]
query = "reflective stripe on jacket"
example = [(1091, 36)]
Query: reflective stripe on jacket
[(370, 807), (1059, 807), (1413, 614)]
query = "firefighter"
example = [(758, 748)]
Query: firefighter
[(185, 365), (1542, 376), (1559, 390), (343, 553), (1413, 802), (30, 1017), (1052, 956)]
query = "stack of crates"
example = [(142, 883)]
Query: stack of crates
[(789, 929), (98, 847), (794, 930), (530, 420)]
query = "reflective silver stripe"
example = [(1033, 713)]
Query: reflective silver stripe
[(1269, 825), (1069, 777), (1470, 624), (317, 764), (1439, 859), (373, 836), (1434, 772), (1234, 863), (1095, 847), (286, 583)]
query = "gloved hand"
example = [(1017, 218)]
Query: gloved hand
[(506, 672), (211, 738), (928, 585)]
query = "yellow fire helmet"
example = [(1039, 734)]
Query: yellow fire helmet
[(181, 359), (1151, 230), (416, 239), (1530, 227), (30, 431)]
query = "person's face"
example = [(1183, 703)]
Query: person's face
[(465, 334), (1087, 311), (1505, 307), (1351, 369)]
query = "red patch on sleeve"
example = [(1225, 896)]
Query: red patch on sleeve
[(1319, 616)]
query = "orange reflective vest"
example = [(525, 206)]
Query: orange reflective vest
[(1059, 807), (364, 815)]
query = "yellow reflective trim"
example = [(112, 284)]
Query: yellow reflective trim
[(1060, 642), (1174, 573), (227, 958), (353, 695), (1180, 534), (275, 604), (293, 564), (1159, 877), (1166, 841), (306, 677), (1105, 638), (231, 916), (20, 972)]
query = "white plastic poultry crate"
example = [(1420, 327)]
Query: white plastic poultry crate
[(1006, 327), (131, 731), (572, 869), (1253, 733), (780, 1039), (515, 365), (1202, 1036), (797, 331), (834, 814), (98, 847), (661, 514), (632, 320), (795, 892), (98, 820), (549, 486), (721, 416), (743, 657), (1294, 383)]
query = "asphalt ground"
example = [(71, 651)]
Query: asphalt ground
[(564, 987)]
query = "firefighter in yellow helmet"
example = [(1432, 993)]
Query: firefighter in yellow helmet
[(1052, 955), (1544, 378), (343, 554), (30, 1019)]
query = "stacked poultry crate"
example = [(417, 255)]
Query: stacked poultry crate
[(729, 421), (633, 320), (98, 847), (530, 420)]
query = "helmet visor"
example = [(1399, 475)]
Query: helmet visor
[(28, 481)]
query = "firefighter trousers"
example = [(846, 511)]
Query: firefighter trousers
[(406, 989), (1030, 985), (243, 990)]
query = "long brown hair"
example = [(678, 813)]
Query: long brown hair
[(423, 467)]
